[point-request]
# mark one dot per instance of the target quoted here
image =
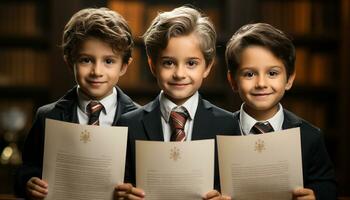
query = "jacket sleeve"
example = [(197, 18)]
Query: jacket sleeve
[(32, 156), (321, 175)]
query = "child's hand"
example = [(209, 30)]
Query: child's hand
[(303, 194), (127, 191), (36, 188), (215, 195)]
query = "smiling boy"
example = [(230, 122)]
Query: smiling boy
[(180, 46), (260, 61), (97, 45)]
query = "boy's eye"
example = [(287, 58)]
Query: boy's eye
[(167, 63), (84, 60), (273, 73), (248, 74), (192, 63), (109, 61)]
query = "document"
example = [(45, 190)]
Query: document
[(175, 170), (264, 166), (83, 161)]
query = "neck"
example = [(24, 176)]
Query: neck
[(261, 115)]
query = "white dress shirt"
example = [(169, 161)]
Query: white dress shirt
[(107, 114), (166, 106), (246, 122)]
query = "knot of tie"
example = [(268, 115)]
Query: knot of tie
[(177, 123), (261, 127), (94, 109)]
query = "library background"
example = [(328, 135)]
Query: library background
[(32, 71)]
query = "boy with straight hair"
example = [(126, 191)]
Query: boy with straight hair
[(260, 61), (97, 44), (180, 46)]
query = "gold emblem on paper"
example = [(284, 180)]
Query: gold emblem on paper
[(175, 154), (85, 136), (259, 145)]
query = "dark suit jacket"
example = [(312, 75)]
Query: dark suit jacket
[(145, 124), (318, 172), (65, 109)]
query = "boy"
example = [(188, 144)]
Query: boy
[(260, 61), (180, 46), (97, 47)]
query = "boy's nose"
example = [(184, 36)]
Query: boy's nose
[(97, 69), (261, 81), (179, 72)]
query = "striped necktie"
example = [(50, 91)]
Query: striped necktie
[(261, 127), (94, 109), (177, 123)]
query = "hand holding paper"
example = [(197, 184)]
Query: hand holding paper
[(175, 170), (265, 166), (83, 162)]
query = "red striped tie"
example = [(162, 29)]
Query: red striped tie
[(261, 127), (177, 123), (94, 109)]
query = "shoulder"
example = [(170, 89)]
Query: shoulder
[(292, 120), (215, 110), (63, 104), (125, 101), (138, 114), (310, 134)]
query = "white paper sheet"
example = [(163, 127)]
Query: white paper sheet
[(82, 161), (264, 166), (175, 170)]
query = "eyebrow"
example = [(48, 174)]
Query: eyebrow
[(170, 57), (105, 56)]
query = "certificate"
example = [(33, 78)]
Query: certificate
[(264, 166), (175, 170), (83, 161)]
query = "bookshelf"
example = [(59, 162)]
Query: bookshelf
[(24, 77)]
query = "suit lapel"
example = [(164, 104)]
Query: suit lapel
[(290, 120), (202, 121), (68, 105), (152, 122), (124, 104)]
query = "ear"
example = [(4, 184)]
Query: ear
[(70, 66), (231, 79), (152, 66), (208, 68), (290, 81), (124, 67)]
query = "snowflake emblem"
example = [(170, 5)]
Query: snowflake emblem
[(85, 136), (175, 154), (259, 145)]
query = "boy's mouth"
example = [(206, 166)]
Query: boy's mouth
[(261, 94), (178, 84), (95, 82)]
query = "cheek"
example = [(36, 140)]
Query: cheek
[(163, 75)]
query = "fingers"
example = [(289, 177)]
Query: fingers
[(303, 194), (36, 188), (213, 195), (223, 197), (127, 191)]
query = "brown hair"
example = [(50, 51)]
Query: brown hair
[(180, 21), (260, 34), (101, 23)]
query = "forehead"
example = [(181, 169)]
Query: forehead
[(259, 56), (183, 46)]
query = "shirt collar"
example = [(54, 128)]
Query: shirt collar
[(247, 122), (166, 106), (109, 102)]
